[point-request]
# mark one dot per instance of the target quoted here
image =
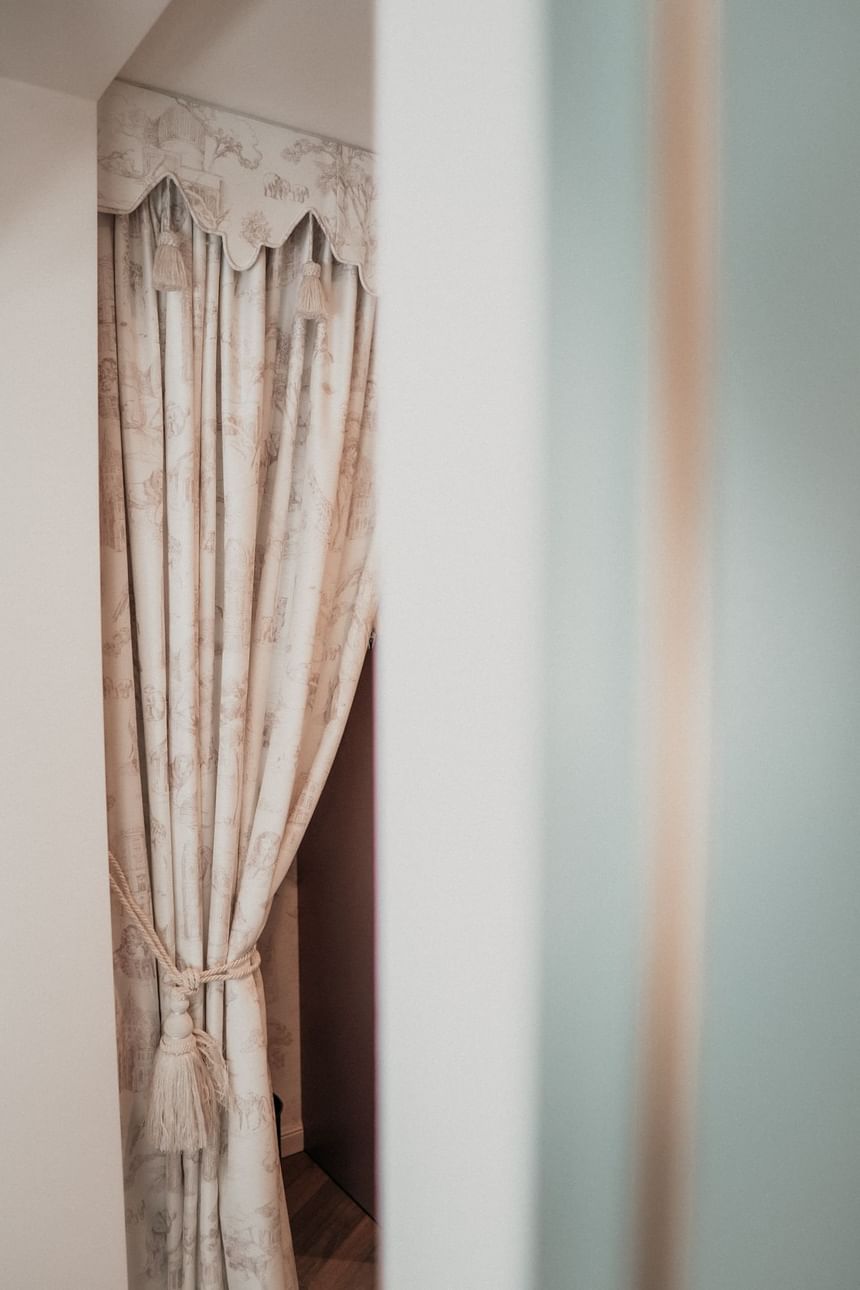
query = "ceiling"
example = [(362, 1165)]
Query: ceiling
[(76, 47), (302, 63)]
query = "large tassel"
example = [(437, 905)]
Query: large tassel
[(189, 1084), (168, 269)]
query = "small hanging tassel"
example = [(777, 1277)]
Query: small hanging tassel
[(189, 1084), (168, 269), (311, 302)]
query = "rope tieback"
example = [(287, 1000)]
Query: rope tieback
[(189, 1076)]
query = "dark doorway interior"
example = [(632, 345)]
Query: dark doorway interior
[(336, 953)]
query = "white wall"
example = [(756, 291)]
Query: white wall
[(459, 828), (305, 63), (77, 48), (61, 1199)]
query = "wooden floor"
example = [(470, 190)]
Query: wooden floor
[(333, 1239)]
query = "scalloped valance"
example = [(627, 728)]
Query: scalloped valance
[(248, 180)]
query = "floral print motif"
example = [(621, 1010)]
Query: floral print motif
[(237, 600), (256, 229)]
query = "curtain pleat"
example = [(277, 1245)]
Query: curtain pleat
[(238, 594)]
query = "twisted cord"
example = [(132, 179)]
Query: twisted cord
[(186, 980)]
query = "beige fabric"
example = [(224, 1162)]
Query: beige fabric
[(251, 181), (238, 594)]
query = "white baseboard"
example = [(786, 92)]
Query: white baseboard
[(292, 1140)]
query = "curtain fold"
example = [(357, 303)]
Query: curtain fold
[(238, 594)]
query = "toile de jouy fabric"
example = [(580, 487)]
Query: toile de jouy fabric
[(238, 594), (249, 180)]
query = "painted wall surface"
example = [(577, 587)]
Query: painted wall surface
[(61, 1200), (336, 947), (306, 63), (77, 48), (279, 948), (458, 709), (779, 1125)]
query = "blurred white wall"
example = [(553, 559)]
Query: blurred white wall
[(461, 429), (593, 837), (755, 1147), (778, 1154)]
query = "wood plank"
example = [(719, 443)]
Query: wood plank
[(354, 1265), (333, 1239), (294, 1166), (302, 1180)]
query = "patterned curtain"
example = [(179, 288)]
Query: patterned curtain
[(237, 600)]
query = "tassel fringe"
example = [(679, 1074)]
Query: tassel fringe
[(190, 1083), (189, 1086), (168, 270), (311, 301)]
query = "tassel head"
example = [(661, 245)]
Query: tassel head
[(168, 269), (311, 301), (189, 1084)]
